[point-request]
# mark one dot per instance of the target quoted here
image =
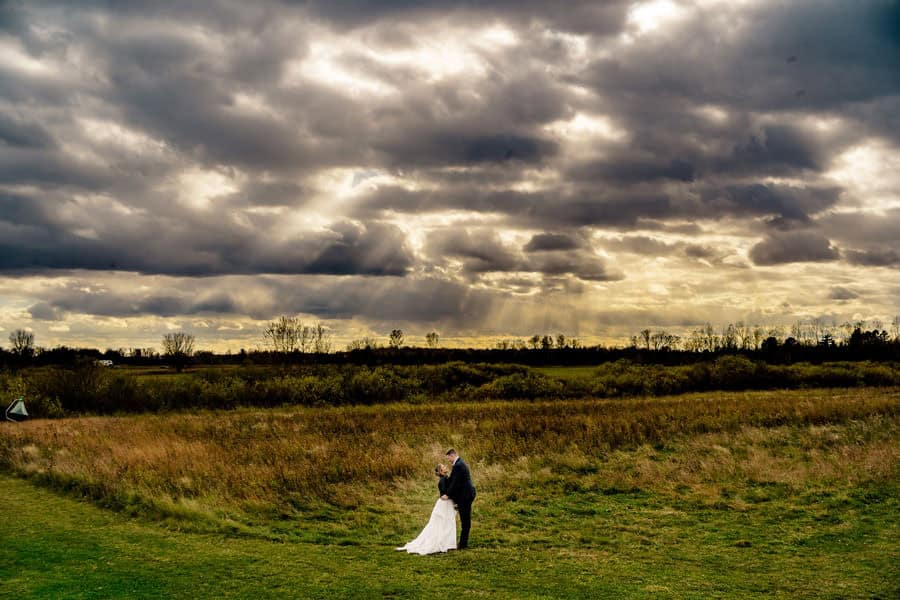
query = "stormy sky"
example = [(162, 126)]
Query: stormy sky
[(481, 169)]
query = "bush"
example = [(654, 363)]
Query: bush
[(377, 386), (13, 387), (78, 389), (732, 373), (519, 385)]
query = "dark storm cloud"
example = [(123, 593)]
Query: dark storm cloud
[(460, 149), (552, 241), (582, 16), (649, 246), (625, 170), (484, 252), (882, 257), (583, 265), (796, 246), (461, 124), (683, 148), (774, 150), (377, 249), (23, 134), (392, 300), (842, 53), (32, 240), (789, 203), (481, 252), (382, 299), (842, 293), (192, 110), (619, 208), (731, 117), (869, 238), (43, 311), (639, 244), (861, 228), (26, 166), (269, 193), (531, 209), (106, 303)]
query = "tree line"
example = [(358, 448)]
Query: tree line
[(740, 336), (289, 339)]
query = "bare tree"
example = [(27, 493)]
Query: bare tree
[(432, 338), (663, 340), (744, 335), (22, 342), (178, 343), (729, 337), (777, 332), (305, 338), (321, 341), (513, 344), (560, 341), (178, 347), (694, 343), (808, 332), (143, 353), (284, 334), (364, 343), (644, 338), (759, 334), (817, 329), (395, 340), (710, 339)]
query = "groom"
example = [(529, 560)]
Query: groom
[(462, 492)]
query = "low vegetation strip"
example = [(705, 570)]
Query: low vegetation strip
[(89, 388), (219, 465)]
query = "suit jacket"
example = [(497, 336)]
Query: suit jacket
[(459, 484)]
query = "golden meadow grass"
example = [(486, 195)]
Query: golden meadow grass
[(225, 464)]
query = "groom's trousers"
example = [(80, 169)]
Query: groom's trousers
[(465, 522)]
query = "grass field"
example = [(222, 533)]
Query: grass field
[(791, 494)]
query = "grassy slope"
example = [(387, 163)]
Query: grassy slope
[(58, 547), (791, 510)]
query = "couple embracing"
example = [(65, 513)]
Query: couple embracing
[(457, 494)]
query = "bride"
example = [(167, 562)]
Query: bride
[(440, 533)]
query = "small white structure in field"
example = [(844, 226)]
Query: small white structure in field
[(105, 363), (16, 411)]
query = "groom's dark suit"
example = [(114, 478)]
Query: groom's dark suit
[(462, 492)]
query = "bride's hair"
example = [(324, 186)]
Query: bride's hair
[(441, 470)]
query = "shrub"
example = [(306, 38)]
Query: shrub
[(732, 373), (376, 386), (519, 385)]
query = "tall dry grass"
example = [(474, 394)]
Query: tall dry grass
[(222, 463)]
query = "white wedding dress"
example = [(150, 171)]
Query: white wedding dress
[(440, 533)]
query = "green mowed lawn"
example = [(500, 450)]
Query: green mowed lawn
[(612, 544)]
